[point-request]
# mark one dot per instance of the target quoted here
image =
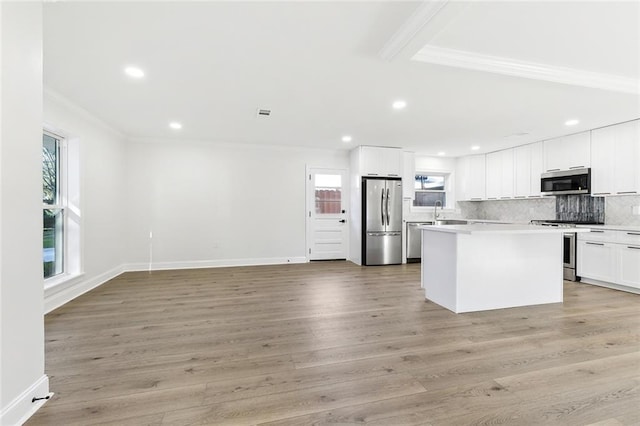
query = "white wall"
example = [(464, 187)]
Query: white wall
[(103, 210), (218, 204), (430, 163), (21, 294)]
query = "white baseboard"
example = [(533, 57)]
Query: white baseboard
[(58, 296), (222, 263), (610, 285), (21, 408)]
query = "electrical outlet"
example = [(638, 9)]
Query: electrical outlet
[(635, 210)]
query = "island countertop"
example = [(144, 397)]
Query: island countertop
[(490, 228)]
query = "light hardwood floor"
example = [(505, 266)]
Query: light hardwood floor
[(332, 342)]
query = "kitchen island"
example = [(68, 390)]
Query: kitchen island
[(477, 267)]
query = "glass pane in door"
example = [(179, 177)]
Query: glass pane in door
[(328, 194)]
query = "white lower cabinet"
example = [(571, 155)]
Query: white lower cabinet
[(610, 258), (597, 260), (629, 266)]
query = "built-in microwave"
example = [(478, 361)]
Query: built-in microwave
[(575, 181)]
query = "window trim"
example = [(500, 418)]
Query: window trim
[(71, 186), (448, 185), (62, 198)]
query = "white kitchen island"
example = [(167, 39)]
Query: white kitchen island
[(477, 267)]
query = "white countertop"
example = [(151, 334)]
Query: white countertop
[(613, 227), (499, 228)]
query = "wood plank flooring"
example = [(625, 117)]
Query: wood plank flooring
[(334, 343)]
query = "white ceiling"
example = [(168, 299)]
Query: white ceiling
[(319, 67)]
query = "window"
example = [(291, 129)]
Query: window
[(430, 188), (53, 214), (328, 192)]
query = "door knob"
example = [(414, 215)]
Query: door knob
[(342, 221)]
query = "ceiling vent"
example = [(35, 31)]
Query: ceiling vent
[(263, 113)]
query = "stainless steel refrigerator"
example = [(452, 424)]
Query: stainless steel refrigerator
[(381, 221)]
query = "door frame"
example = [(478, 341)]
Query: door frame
[(308, 191)]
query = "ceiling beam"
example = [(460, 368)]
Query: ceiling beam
[(532, 70), (411, 27)]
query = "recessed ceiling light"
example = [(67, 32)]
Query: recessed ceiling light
[(134, 72), (441, 153), (399, 104), (347, 138), (175, 125), (475, 147), (571, 122)]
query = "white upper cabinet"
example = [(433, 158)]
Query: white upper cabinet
[(477, 186), (522, 174), (568, 152), (378, 161), (537, 168), (507, 178), (470, 178), (408, 175), (494, 173), (500, 175), (528, 161), (616, 159)]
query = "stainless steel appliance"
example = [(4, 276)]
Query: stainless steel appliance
[(382, 221), (565, 182), (569, 247), (414, 241)]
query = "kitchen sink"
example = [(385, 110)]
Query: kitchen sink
[(451, 222)]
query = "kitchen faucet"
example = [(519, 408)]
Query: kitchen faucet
[(435, 210)]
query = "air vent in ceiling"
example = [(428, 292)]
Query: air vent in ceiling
[(262, 113)]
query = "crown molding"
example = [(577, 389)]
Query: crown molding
[(532, 70), (410, 28), (61, 100)]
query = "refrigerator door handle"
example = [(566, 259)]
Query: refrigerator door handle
[(388, 214), (382, 206)]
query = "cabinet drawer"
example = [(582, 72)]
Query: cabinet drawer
[(599, 235), (629, 237)]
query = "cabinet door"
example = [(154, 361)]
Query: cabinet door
[(554, 155), (377, 161), (568, 152), (371, 161), (494, 174), (629, 265), (477, 177), (577, 151), (408, 175), (597, 260), (602, 167), (627, 158), (391, 161), (462, 179), (506, 176), (522, 171), (537, 167)]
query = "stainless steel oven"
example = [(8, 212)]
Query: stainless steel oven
[(569, 246), (569, 256)]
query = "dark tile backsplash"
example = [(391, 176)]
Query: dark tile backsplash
[(580, 208)]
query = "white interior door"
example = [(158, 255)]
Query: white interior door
[(326, 214)]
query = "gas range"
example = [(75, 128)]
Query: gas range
[(569, 245)]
